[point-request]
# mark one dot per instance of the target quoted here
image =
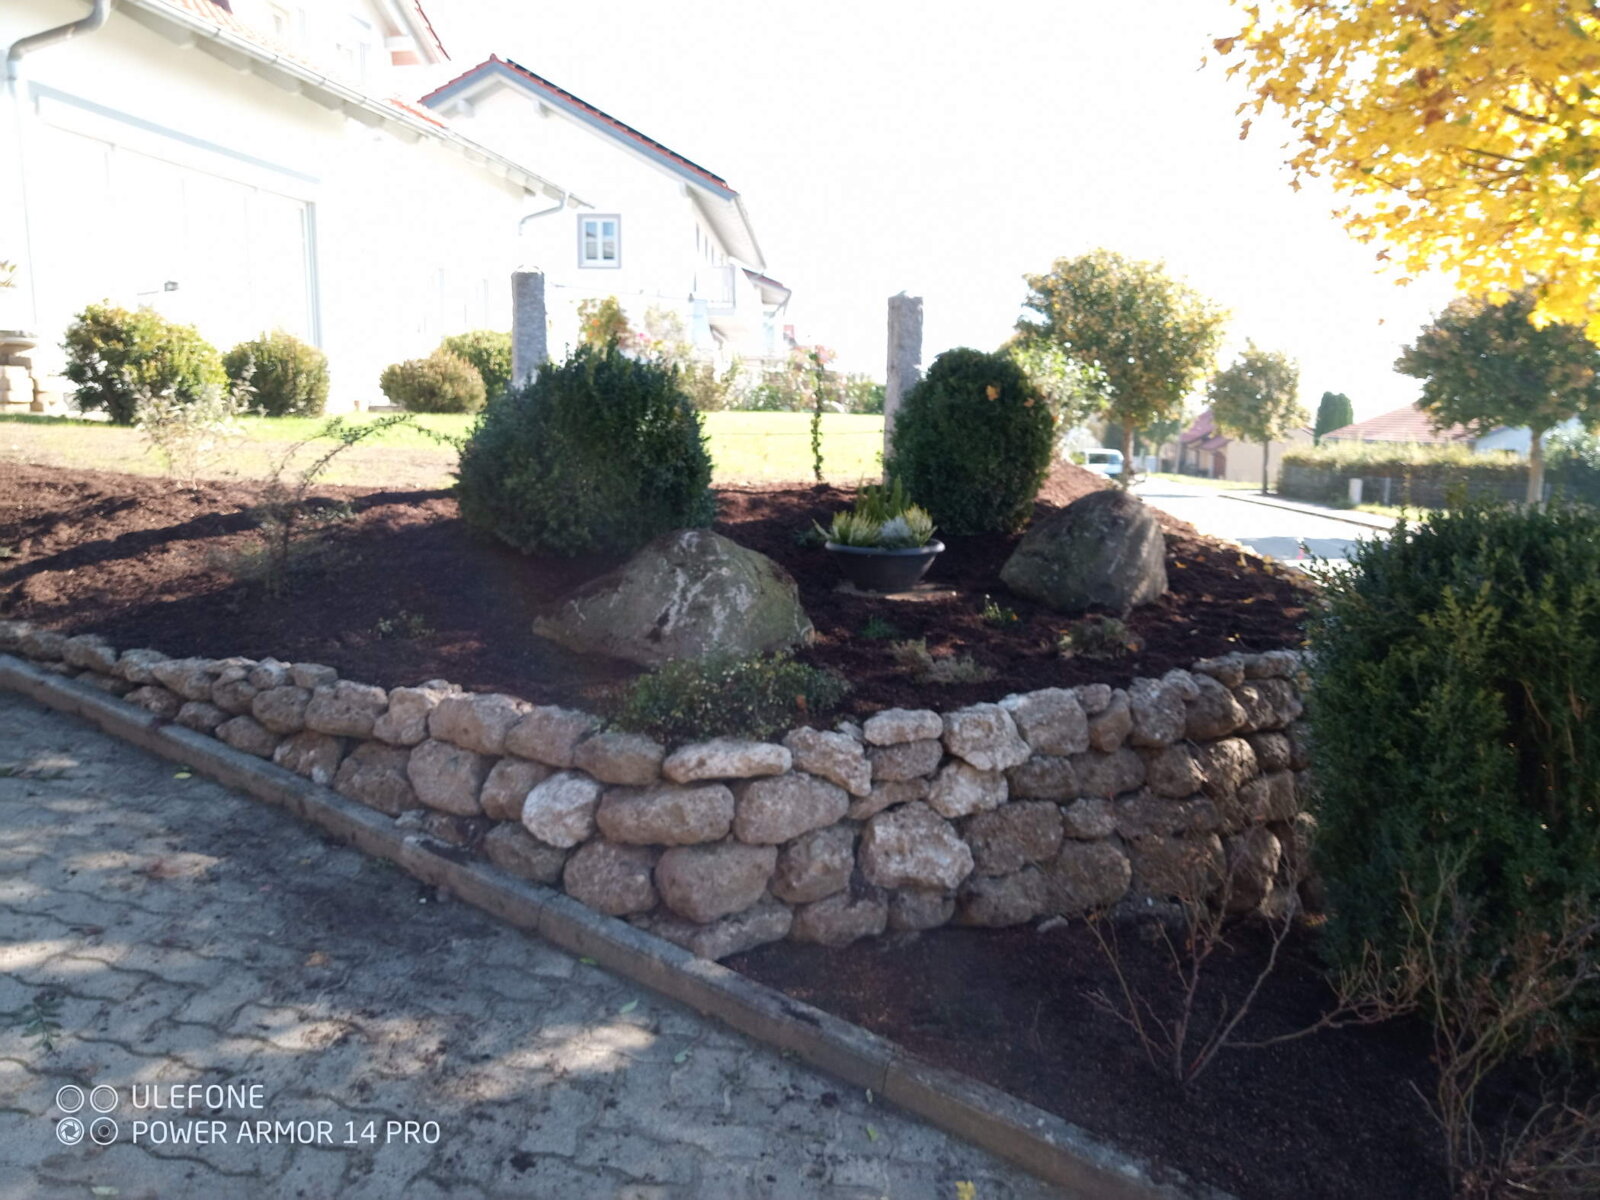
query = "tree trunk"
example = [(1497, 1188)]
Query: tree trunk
[(1536, 468), (1266, 451), (1127, 454)]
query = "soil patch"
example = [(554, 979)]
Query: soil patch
[(394, 591), (1327, 1117)]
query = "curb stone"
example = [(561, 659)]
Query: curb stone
[(1365, 520), (1035, 1140)]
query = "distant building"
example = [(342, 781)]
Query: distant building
[(1411, 426), (1203, 449), (659, 231)]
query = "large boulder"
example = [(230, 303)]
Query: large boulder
[(685, 595), (1101, 551)]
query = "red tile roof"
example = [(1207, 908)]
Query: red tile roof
[(624, 130), (1408, 424), (217, 12)]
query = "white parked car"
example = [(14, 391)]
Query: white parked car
[(1103, 461)]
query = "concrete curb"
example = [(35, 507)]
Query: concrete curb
[(1367, 520), (1035, 1140)]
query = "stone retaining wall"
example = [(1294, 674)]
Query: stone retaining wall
[(1055, 802)]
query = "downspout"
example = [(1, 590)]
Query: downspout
[(37, 41), (544, 212), (96, 17)]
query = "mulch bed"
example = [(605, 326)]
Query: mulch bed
[(403, 594), (1330, 1116)]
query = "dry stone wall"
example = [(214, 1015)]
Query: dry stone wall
[(1051, 803)]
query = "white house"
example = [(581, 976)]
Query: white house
[(658, 230), (242, 165)]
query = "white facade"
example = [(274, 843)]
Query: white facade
[(1518, 440), (170, 159), (657, 231)]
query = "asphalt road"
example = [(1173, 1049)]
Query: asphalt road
[(1296, 538)]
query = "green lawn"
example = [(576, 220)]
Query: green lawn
[(745, 447)]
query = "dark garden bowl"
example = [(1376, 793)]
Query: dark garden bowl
[(873, 569)]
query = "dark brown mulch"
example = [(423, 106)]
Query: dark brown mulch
[(150, 564), (1331, 1116)]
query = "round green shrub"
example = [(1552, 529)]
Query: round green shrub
[(115, 353), (1455, 710), (441, 383), (287, 377), (489, 352), (972, 443), (723, 696), (597, 456)]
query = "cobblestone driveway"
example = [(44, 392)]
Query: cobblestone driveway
[(160, 930)]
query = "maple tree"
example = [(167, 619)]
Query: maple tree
[(1484, 365), (1467, 132), (1257, 399), (1150, 339)]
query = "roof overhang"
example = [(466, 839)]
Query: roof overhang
[(185, 28)]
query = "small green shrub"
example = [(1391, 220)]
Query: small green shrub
[(1456, 708), (287, 377), (489, 352), (924, 667), (879, 629), (1098, 637), (972, 442), (998, 615), (701, 698), (441, 383), (597, 456), (190, 433), (115, 354)]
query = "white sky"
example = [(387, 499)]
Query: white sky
[(946, 149)]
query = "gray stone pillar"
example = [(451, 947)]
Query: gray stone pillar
[(530, 332), (905, 358)]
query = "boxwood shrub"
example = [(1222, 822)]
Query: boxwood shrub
[(441, 383), (489, 352), (287, 377), (1456, 714), (596, 456), (972, 442), (114, 354)]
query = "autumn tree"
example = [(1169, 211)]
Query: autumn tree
[(1151, 338), (1484, 365), (1467, 132), (1334, 411), (1257, 399)]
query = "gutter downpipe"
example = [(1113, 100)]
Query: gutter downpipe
[(93, 20), (545, 212)]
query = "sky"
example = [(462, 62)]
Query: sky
[(947, 150)]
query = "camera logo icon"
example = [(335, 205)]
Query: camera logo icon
[(69, 1131), (103, 1132)]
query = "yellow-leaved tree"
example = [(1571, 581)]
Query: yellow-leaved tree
[(1467, 132)]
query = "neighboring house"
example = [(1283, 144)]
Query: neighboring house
[(1203, 449), (659, 231), (1411, 426), (242, 165)]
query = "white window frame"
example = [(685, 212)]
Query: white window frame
[(585, 220)]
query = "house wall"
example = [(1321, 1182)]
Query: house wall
[(144, 162), (670, 256)]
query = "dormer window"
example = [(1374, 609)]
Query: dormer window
[(600, 240)]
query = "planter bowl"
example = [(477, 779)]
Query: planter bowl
[(877, 570)]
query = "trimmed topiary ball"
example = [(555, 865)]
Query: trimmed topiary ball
[(972, 443), (441, 383), (597, 456), (287, 377)]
